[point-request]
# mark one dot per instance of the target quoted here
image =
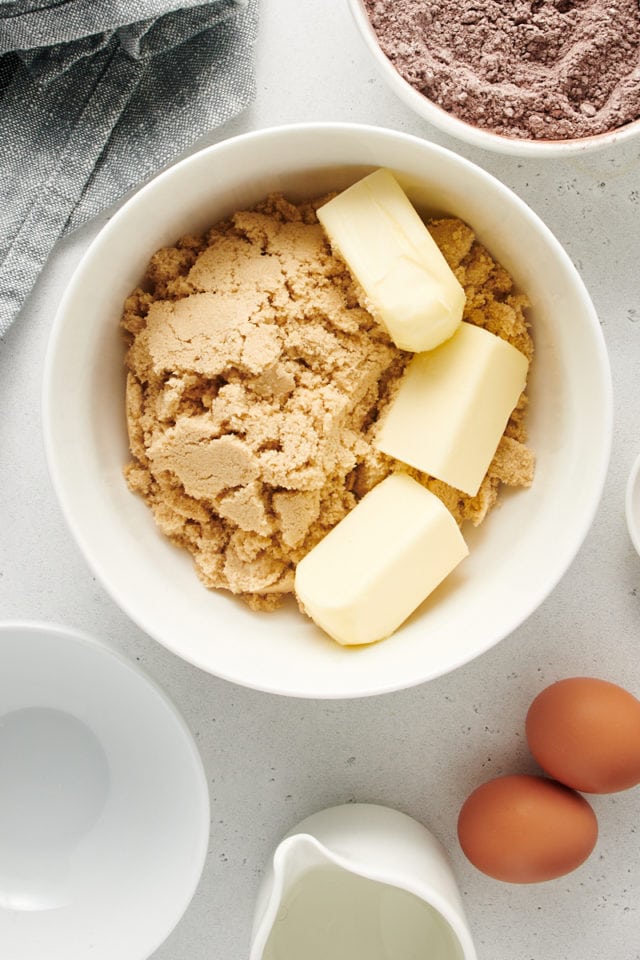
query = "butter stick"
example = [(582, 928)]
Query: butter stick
[(453, 405), (408, 285), (380, 562)]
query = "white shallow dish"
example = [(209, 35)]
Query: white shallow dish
[(517, 556), (632, 504), (104, 807), (479, 136)]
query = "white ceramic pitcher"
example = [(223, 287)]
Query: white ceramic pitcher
[(360, 882)]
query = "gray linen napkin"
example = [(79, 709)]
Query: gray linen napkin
[(95, 97)]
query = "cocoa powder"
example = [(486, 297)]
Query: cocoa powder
[(533, 69)]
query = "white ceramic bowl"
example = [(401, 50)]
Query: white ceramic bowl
[(104, 808), (632, 504), (517, 556), (477, 136)]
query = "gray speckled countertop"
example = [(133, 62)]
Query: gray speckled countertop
[(272, 761)]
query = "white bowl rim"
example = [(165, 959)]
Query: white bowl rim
[(631, 511), (82, 638), (479, 136), (287, 688)]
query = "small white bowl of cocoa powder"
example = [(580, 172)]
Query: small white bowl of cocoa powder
[(211, 388), (529, 78)]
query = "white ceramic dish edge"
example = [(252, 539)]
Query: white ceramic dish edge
[(632, 504), (102, 648)]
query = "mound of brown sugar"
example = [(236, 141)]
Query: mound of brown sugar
[(255, 383), (537, 69)]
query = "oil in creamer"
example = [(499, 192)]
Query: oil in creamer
[(332, 914)]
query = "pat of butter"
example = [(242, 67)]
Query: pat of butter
[(453, 405), (380, 562), (408, 285)]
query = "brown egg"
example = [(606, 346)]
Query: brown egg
[(525, 829), (586, 733)]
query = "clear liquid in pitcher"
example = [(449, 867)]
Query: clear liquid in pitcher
[(332, 914)]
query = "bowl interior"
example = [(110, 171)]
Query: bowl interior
[(104, 816), (517, 556)]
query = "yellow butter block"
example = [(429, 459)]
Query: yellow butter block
[(453, 405), (380, 562), (409, 286)]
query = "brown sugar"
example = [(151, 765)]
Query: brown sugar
[(255, 383)]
